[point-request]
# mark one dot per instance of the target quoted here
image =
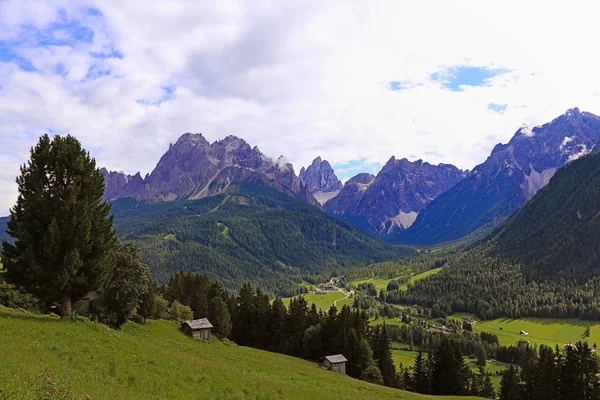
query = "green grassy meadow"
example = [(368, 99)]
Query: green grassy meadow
[(381, 283), (422, 275), (323, 301), (548, 331), (156, 361), (388, 321)]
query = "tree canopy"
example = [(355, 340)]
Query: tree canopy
[(63, 235)]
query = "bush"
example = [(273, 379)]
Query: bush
[(13, 297), (372, 374), (179, 312)]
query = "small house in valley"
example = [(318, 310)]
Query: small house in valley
[(336, 363), (198, 328)]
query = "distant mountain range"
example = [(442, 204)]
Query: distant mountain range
[(410, 202), (391, 201), (542, 261), (193, 168), (511, 175)]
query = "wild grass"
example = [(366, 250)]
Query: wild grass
[(158, 362)]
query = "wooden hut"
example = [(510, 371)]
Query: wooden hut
[(336, 363), (198, 328)]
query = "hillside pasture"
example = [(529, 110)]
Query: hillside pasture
[(157, 361), (548, 331)]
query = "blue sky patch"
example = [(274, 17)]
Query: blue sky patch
[(499, 108), (167, 93), (9, 55), (347, 170), (401, 85), (456, 77)]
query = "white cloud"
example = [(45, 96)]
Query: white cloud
[(300, 79)]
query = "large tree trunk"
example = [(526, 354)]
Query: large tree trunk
[(66, 309)]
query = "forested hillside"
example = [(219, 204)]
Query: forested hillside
[(3, 234), (557, 233), (255, 233), (543, 261)]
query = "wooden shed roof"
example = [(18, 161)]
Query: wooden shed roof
[(338, 358), (202, 323)]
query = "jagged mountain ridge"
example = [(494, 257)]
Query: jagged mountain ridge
[(391, 201), (321, 180), (511, 175), (195, 168)]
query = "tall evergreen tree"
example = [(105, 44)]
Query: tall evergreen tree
[(383, 355), (421, 377), (63, 234), (546, 375), (510, 385), (278, 326), (450, 374)]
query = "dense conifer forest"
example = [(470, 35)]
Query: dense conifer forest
[(541, 262), (253, 234)]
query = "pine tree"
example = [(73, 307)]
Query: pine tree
[(244, 319), (64, 239), (487, 387), (421, 377), (510, 385), (384, 358), (358, 353), (277, 326), (529, 369), (449, 374), (546, 375)]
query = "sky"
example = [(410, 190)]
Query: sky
[(354, 82)]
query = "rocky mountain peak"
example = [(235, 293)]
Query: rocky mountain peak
[(320, 177), (195, 168), (191, 140), (392, 200), (511, 175)]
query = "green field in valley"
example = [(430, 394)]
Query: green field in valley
[(158, 362), (323, 301), (381, 283), (422, 275), (549, 331), (388, 321)]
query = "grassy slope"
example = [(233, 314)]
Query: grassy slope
[(381, 283), (158, 362), (422, 275), (323, 301)]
